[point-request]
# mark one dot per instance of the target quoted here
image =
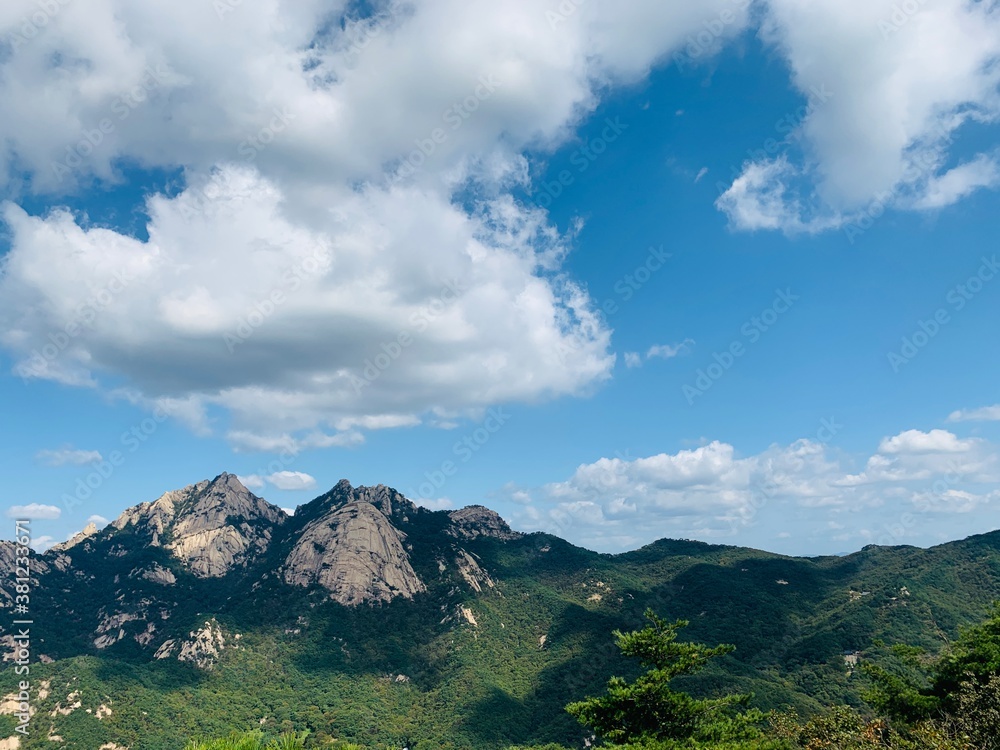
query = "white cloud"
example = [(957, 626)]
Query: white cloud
[(67, 456), (43, 543), (309, 210), (668, 351), (252, 442), (252, 481), (292, 480), (914, 455), (915, 441), (762, 198), (898, 90), (289, 511), (99, 521), (35, 511), (658, 351), (711, 491), (983, 414), (956, 183), (328, 356)]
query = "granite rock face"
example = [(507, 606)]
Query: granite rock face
[(476, 521), (472, 572), (211, 527), (111, 629), (159, 574), (202, 647), (8, 564), (386, 499), (355, 553), (352, 542), (88, 531)]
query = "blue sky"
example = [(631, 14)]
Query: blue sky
[(724, 272)]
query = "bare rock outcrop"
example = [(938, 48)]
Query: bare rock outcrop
[(212, 527), (472, 571), (111, 628), (356, 554), (159, 574), (479, 521), (88, 531), (8, 563), (202, 647), (390, 502)]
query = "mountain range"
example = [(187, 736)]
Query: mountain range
[(366, 617)]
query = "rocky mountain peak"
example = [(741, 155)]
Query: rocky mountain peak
[(212, 526), (390, 502), (221, 498), (354, 552), (479, 521)]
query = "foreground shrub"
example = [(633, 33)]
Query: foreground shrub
[(251, 741)]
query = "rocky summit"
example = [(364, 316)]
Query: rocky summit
[(211, 527), (354, 546), (356, 554), (478, 520)]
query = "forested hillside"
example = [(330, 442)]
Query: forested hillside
[(495, 635)]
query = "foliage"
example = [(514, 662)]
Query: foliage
[(649, 710), (976, 713), (922, 688), (252, 741), (967, 721), (495, 685), (975, 655)]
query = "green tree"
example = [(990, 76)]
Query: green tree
[(903, 692), (976, 713), (648, 709), (975, 655), (922, 688)]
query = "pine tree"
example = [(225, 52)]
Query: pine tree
[(649, 709)]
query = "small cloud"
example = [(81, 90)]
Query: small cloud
[(952, 186), (252, 442), (784, 535), (383, 422), (658, 351), (292, 480), (701, 173), (289, 511), (763, 197), (67, 456), (666, 351), (984, 414), (521, 497), (35, 511), (915, 441), (252, 481), (43, 544), (98, 521)]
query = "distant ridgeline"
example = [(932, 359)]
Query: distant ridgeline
[(366, 618)]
